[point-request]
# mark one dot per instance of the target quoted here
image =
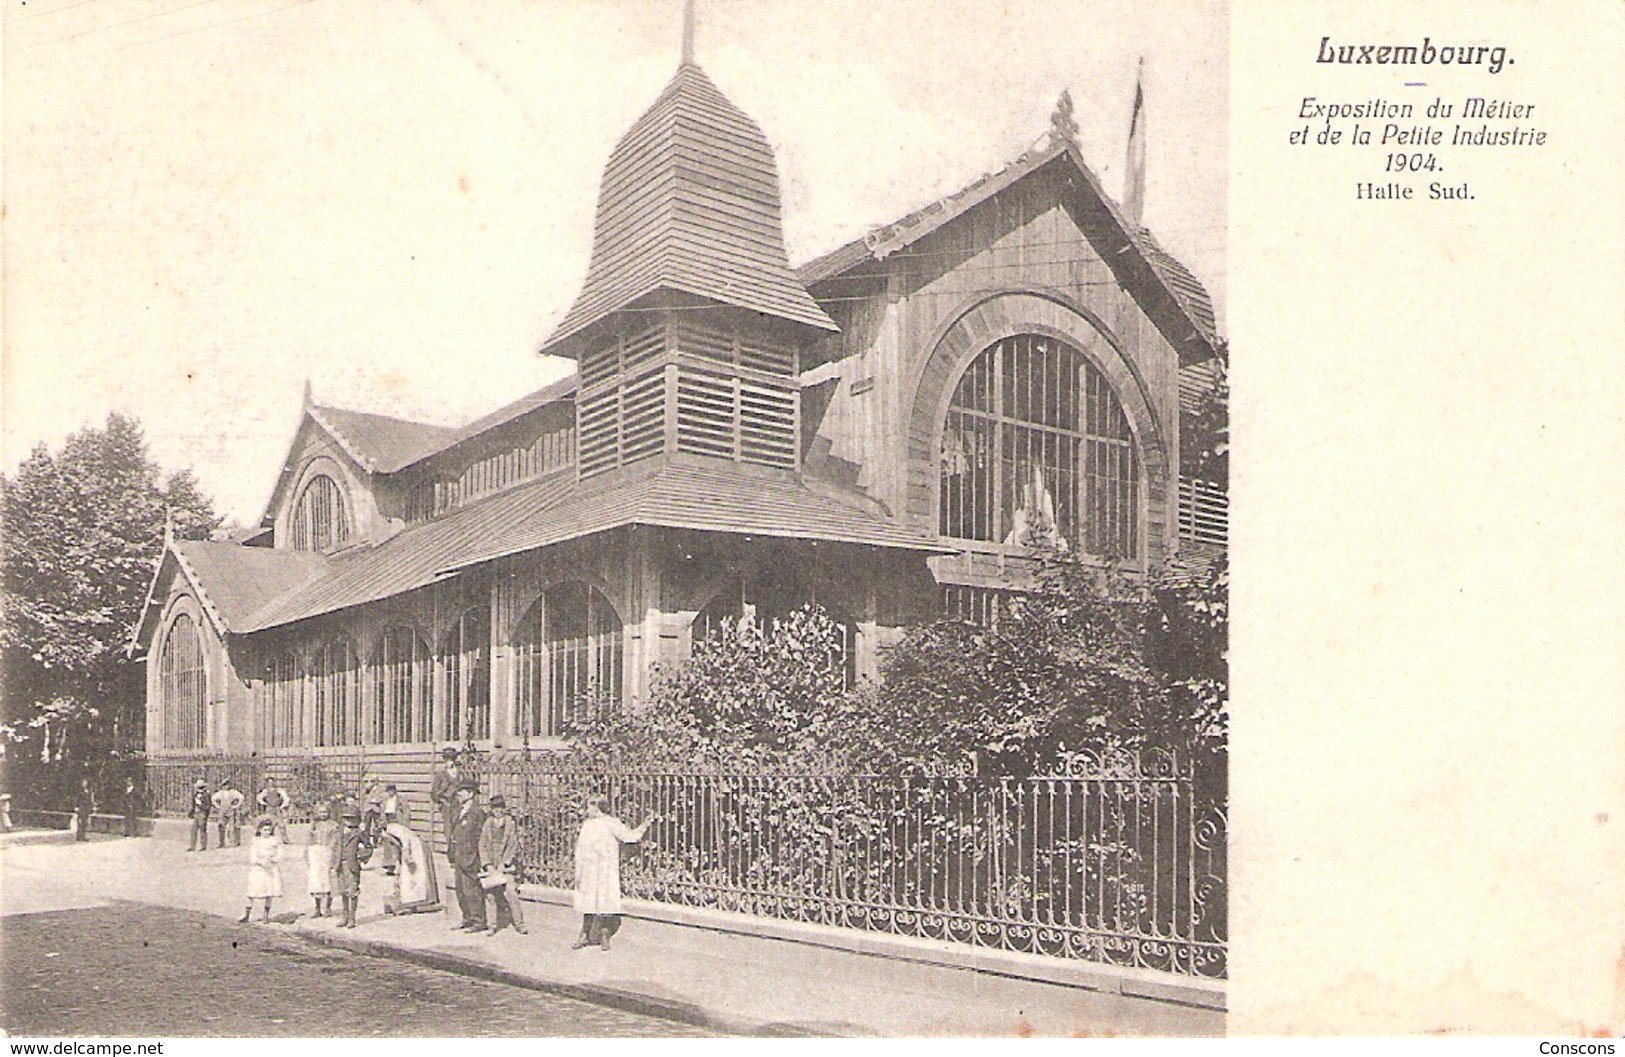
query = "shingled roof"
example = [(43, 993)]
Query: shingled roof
[(1182, 297), (683, 494), (689, 203), (381, 444), (231, 581)]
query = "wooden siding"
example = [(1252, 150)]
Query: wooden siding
[(1016, 261), (710, 387)]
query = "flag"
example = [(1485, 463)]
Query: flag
[(1134, 171)]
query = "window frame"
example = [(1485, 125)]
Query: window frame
[(1099, 505)]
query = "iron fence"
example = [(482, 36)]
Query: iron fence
[(307, 778), (1118, 859)]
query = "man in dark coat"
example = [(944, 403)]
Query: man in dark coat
[(202, 805), (443, 789), (463, 849)]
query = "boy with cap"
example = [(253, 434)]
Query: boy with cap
[(499, 850), (354, 850)]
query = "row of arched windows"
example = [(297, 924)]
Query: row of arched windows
[(567, 651)]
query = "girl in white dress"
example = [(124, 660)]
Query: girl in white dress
[(264, 871), (321, 849)]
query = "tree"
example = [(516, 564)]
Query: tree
[(748, 696), (1088, 660), (84, 530)]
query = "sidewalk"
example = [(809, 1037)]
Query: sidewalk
[(733, 983)]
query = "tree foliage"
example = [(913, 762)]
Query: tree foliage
[(1205, 433), (1089, 660), (747, 696), (84, 528)]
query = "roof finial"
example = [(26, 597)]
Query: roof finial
[(1061, 122), (688, 32), (169, 525), (310, 396)]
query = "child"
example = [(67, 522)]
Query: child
[(354, 849), (264, 873), (499, 850), (321, 851)]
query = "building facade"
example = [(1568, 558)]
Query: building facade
[(885, 431)]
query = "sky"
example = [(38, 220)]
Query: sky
[(208, 202)]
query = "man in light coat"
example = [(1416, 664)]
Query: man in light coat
[(228, 813), (598, 871)]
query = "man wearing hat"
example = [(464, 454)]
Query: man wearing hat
[(228, 814), (443, 789), (202, 804), (463, 849)]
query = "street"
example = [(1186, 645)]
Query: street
[(134, 970), (140, 937)]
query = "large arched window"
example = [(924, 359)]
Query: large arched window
[(767, 598), (566, 648), (183, 687), (1036, 449), (402, 682), (333, 690), (466, 656), (320, 520)]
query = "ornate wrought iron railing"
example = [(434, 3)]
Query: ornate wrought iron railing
[(1119, 860), (308, 778)]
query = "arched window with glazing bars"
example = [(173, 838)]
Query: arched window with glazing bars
[(183, 686), (567, 652), (333, 693), (1036, 449), (285, 702), (466, 658), (321, 520)]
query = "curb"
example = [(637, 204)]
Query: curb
[(1127, 981), (616, 998)]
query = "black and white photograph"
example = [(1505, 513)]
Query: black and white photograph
[(655, 519), (640, 519)]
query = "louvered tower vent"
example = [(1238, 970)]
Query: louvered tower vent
[(688, 326)]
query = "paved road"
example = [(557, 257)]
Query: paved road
[(135, 970)]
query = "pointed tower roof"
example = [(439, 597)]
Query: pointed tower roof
[(689, 203)]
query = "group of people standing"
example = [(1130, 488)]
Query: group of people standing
[(226, 808), (339, 844), (482, 847)]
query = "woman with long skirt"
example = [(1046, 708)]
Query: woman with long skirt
[(415, 890)]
